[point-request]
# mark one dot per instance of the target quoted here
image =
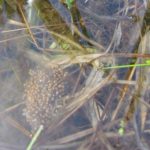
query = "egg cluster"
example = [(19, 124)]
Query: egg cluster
[(43, 93)]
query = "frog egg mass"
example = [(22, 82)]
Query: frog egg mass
[(43, 93)]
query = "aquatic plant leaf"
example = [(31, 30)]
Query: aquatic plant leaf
[(69, 3), (12, 4), (1, 4)]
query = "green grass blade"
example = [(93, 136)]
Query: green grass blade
[(127, 66), (34, 139)]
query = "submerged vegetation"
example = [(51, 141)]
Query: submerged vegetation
[(74, 74)]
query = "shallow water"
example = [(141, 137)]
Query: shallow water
[(47, 36)]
